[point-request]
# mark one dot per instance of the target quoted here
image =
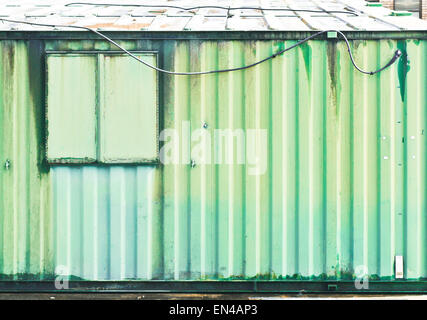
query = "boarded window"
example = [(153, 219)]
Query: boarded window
[(71, 99), (102, 107)]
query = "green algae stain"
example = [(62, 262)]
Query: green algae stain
[(306, 52), (334, 72), (402, 68)]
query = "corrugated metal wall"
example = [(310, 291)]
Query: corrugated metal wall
[(25, 216), (345, 184)]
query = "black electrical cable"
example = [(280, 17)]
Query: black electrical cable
[(397, 54), (204, 7)]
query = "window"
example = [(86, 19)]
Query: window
[(101, 107)]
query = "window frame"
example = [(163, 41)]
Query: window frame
[(98, 107)]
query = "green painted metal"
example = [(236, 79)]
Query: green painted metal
[(401, 13), (71, 112), (345, 184), (129, 109), (90, 117)]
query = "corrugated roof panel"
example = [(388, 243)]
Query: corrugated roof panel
[(144, 12), (7, 11), (203, 23), (166, 23), (81, 11), (212, 12), (326, 22), (275, 15), (111, 12), (286, 23), (247, 23), (366, 23), (407, 22), (134, 23), (105, 23), (40, 12)]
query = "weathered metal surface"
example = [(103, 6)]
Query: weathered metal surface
[(345, 183), (85, 123), (124, 129), (116, 18), (108, 222), (71, 108), (198, 288), (26, 220)]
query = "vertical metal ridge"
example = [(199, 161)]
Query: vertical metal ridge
[(176, 207), (41, 227), (140, 242), (244, 180), (414, 156), (26, 222), (340, 147), (276, 134), (297, 163), (257, 124), (204, 64), (420, 155), (187, 237), (195, 234), (403, 226), (394, 161), (251, 195), (16, 144), (365, 162), (311, 173), (231, 212), (284, 163), (213, 117), (123, 214), (269, 165), (423, 152), (351, 164), (221, 174), (379, 166), (323, 179), (95, 226), (387, 163), (67, 222), (181, 171)]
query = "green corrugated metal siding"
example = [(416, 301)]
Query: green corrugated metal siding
[(26, 216), (345, 184)]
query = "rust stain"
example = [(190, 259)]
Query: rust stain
[(157, 11), (132, 26)]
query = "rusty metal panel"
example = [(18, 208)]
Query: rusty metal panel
[(344, 184), (71, 107)]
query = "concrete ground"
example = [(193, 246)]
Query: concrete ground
[(171, 296)]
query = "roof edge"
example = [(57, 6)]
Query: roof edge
[(205, 35)]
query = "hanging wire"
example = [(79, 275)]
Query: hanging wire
[(396, 55), (349, 11)]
